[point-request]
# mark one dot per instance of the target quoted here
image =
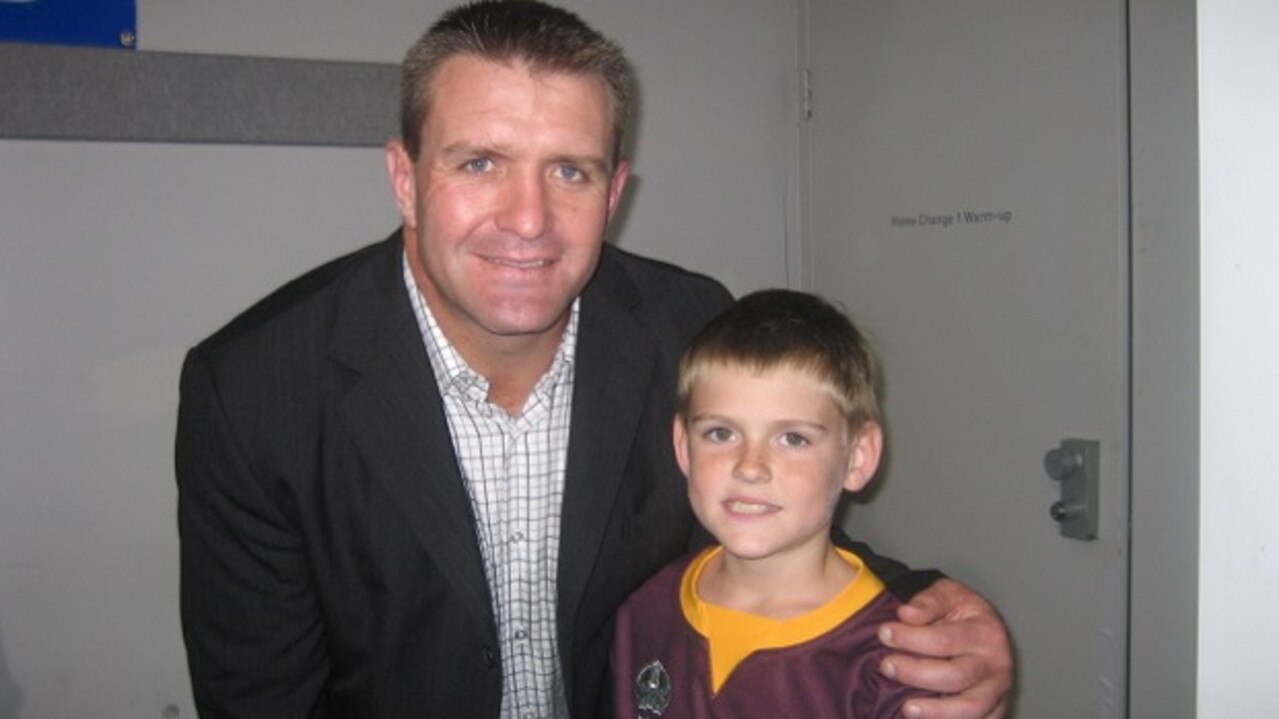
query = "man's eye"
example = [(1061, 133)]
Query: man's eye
[(478, 164), (570, 173)]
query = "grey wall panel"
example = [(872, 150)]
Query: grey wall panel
[(114, 259), (53, 92)]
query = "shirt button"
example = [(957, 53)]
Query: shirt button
[(486, 655), (521, 634), (517, 537)]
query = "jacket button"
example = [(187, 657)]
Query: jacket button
[(486, 654)]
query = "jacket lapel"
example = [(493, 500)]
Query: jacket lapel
[(615, 363), (395, 414)]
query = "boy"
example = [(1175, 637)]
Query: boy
[(777, 417)]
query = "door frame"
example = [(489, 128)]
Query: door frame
[(1164, 211)]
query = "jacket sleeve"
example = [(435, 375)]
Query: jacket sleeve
[(250, 616), (900, 579)]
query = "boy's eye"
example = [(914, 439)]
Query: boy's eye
[(718, 434), (794, 439), (478, 164)]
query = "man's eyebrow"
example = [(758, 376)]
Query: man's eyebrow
[(471, 149), (595, 163)]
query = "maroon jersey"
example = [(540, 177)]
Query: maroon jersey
[(662, 665)]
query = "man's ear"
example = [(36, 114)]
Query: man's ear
[(863, 459), (679, 439), (616, 185), (399, 168)]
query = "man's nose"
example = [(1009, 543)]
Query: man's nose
[(525, 208)]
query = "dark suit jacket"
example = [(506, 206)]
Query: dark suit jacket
[(329, 559), (330, 566)]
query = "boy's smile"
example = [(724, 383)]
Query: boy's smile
[(744, 507)]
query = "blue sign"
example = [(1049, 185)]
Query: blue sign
[(104, 23)]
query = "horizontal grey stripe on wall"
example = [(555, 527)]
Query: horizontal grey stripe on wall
[(71, 93)]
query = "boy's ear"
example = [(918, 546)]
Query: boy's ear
[(679, 439), (863, 459)]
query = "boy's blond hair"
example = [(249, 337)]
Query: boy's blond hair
[(773, 329)]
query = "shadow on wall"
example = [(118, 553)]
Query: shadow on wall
[(10, 694)]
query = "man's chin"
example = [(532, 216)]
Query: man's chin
[(527, 324)]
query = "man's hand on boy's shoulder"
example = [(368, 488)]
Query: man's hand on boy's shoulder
[(962, 651)]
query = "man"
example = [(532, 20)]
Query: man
[(419, 480)]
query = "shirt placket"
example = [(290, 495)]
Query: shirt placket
[(521, 552), (518, 583)]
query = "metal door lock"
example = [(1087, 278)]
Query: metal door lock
[(1075, 465)]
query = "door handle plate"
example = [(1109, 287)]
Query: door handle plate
[(1075, 465)]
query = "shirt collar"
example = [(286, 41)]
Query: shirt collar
[(454, 376)]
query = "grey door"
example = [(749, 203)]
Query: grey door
[(967, 202)]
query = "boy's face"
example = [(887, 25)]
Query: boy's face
[(767, 456)]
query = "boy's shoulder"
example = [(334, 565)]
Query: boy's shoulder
[(656, 603), (664, 583)]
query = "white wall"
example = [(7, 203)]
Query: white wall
[(114, 258), (1239, 578)]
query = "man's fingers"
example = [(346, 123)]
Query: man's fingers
[(945, 599), (952, 708), (943, 640), (950, 641), (972, 685), (923, 609), (1000, 711), (945, 676)]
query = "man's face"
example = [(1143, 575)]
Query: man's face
[(505, 208)]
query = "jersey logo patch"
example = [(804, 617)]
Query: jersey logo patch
[(653, 688)]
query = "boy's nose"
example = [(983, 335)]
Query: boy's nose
[(752, 466)]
